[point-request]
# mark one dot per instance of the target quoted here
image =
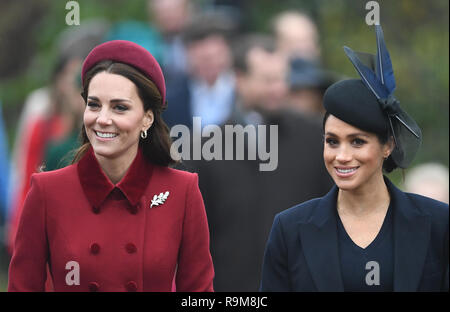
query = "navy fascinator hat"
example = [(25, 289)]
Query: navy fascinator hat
[(369, 103)]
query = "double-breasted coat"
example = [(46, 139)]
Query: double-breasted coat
[(302, 250), (116, 237)]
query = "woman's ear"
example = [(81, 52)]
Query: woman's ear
[(149, 117), (389, 147)]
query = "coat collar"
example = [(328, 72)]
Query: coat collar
[(97, 186), (318, 235), (412, 228), (410, 244)]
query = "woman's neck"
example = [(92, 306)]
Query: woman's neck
[(372, 197), (116, 168)]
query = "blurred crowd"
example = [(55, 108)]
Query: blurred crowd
[(215, 69)]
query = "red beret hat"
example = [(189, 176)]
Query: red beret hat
[(129, 53)]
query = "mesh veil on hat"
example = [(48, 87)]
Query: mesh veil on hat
[(369, 103)]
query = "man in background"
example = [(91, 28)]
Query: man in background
[(241, 201), (207, 88)]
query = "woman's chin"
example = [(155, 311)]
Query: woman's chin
[(346, 185), (105, 151)]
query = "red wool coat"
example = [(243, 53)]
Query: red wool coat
[(119, 242)]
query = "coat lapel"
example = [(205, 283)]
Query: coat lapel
[(320, 246), (411, 239), (318, 236)]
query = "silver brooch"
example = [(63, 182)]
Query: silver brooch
[(159, 199)]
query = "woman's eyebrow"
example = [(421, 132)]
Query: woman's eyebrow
[(357, 134), (351, 135), (94, 98), (120, 100)]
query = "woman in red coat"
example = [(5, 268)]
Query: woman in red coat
[(118, 219)]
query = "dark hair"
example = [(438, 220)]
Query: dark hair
[(388, 164), (156, 147), (245, 43), (207, 24)]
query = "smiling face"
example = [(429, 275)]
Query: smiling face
[(114, 117), (354, 158)]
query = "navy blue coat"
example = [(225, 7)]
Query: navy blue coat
[(302, 249), (179, 101)]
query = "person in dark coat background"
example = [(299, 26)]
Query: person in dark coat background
[(241, 200), (365, 234), (118, 218), (206, 90)]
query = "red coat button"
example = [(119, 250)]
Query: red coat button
[(131, 286), (95, 209), (95, 248), (131, 248), (93, 286)]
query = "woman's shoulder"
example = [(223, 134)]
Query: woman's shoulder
[(175, 175), (56, 176), (435, 208), (56, 182), (301, 212)]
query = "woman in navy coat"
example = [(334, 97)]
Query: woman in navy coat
[(365, 234), (118, 219)]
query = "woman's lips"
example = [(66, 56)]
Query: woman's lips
[(105, 136), (345, 172)]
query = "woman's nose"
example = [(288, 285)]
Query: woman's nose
[(344, 154), (104, 118)]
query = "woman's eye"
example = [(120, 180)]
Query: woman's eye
[(331, 141), (121, 108), (92, 104), (358, 142)]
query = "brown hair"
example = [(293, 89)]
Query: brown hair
[(156, 147)]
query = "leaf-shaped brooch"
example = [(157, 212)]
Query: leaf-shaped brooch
[(159, 199)]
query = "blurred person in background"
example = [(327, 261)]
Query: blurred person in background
[(36, 127), (74, 45), (240, 199), (297, 38), (430, 180), (170, 17), (140, 33), (4, 176), (307, 85), (51, 117), (207, 89), (5, 164), (297, 35), (261, 74)]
